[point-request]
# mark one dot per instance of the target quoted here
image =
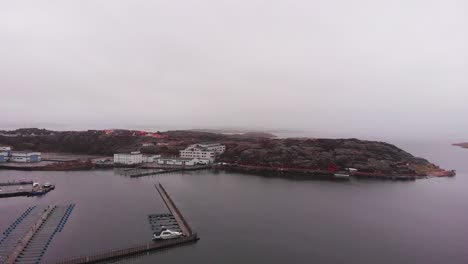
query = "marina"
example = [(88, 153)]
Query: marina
[(174, 219)]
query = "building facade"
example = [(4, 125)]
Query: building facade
[(203, 151), (216, 147), (25, 156), (6, 150), (128, 158), (197, 153)]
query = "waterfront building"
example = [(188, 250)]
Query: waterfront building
[(203, 151), (191, 153), (128, 158), (25, 156)]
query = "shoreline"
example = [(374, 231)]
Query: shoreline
[(306, 174)]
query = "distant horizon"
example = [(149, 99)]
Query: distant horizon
[(279, 132)]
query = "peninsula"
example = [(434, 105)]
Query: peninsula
[(250, 152)]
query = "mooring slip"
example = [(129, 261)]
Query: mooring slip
[(159, 222), (27, 239)]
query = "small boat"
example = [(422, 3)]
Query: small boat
[(166, 234), (49, 186)]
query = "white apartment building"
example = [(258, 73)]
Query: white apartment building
[(216, 147), (203, 151), (128, 158), (193, 153)]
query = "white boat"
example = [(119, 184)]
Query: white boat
[(166, 234)]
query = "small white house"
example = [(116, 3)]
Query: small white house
[(25, 156), (128, 158)]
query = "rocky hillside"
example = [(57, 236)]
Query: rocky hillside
[(368, 156)]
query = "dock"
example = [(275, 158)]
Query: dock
[(175, 214), (28, 191), (27, 239), (12, 183)]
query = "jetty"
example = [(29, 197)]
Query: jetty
[(148, 170), (188, 237)]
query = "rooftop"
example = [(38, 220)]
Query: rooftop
[(25, 152)]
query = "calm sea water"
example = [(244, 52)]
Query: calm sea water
[(252, 219)]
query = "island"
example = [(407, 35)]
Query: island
[(463, 144), (259, 153)]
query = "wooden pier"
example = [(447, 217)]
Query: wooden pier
[(189, 237), (184, 226), (30, 191), (147, 170), (12, 183)]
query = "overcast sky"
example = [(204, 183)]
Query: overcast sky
[(362, 67)]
